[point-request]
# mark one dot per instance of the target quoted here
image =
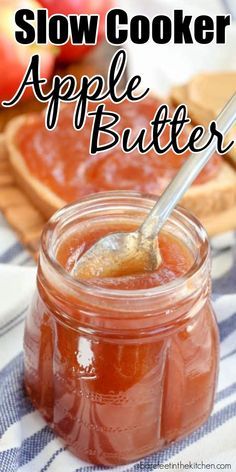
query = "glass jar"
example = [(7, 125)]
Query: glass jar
[(119, 374)]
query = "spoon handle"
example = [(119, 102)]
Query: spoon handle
[(187, 174)]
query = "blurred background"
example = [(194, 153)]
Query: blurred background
[(161, 66)]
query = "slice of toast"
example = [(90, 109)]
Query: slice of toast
[(205, 95), (27, 221), (204, 200)]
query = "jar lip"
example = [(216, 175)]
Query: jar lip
[(181, 214)]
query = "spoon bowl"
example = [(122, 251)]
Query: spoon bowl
[(119, 254)]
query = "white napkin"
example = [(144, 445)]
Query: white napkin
[(16, 286)]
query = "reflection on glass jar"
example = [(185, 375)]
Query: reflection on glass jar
[(120, 373)]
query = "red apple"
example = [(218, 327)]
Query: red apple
[(14, 57), (70, 52)]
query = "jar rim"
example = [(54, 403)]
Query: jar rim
[(102, 198)]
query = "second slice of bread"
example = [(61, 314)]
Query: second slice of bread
[(205, 95)]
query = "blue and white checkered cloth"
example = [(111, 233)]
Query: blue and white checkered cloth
[(27, 443)]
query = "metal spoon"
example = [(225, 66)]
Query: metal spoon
[(129, 253)]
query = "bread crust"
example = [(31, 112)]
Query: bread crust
[(213, 197), (204, 200), (42, 197), (205, 95)]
